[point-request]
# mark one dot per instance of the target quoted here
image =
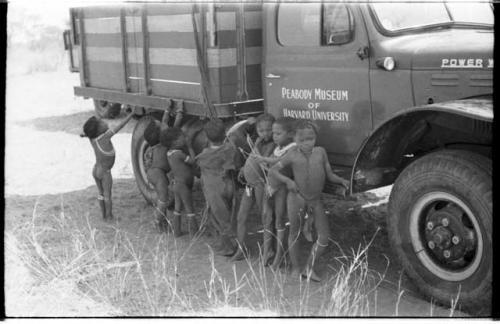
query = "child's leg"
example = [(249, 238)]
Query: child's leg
[(323, 230), (267, 236), (295, 207), (176, 221), (161, 183), (100, 197), (280, 215), (217, 199), (107, 183), (186, 196), (244, 210)]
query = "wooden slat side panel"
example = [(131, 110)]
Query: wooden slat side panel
[(106, 75)]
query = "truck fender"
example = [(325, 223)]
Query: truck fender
[(415, 131)]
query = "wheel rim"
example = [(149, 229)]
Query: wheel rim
[(446, 236), (144, 160)]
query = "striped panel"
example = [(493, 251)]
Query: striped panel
[(105, 75), (175, 56), (108, 25), (225, 39), (171, 23), (101, 11), (133, 24), (161, 9)]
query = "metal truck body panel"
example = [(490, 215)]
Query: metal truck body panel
[(123, 44)]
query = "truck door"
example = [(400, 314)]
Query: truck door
[(316, 67)]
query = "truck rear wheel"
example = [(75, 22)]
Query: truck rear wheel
[(439, 220), (141, 159), (106, 109)]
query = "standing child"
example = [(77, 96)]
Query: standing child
[(310, 168), (283, 131), (157, 173), (252, 175), (100, 134), (217, 164), (181, 165)]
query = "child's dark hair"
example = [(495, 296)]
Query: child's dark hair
[(152, 133), (264, 117), (215, 130), (306, 124), (169, 136), (91, 128), (287, 123)]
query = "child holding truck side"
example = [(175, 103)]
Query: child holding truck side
[(181, 165), (157, 172), (99, 134), (310, 168), (218, 163)]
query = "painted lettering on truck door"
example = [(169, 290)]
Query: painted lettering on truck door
[(313, 71)]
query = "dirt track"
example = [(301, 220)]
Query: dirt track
[(48, 165)]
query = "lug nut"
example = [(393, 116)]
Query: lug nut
[(431, 245), (445, 222), (430, 226), (446, 254), (455, 240)]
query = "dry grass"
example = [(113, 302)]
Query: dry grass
[(72, 268)]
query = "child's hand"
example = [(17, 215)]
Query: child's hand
[(345, 184)]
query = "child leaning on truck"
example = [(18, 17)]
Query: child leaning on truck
[(181, 165), (310, 169), (253, 177), (218, 163), (274, 202), (157, 172), (99, 134)]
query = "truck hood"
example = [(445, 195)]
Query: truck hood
[(454, 48)]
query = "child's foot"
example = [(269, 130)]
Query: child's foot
[(309, 274), (268, 258), (238, 256)]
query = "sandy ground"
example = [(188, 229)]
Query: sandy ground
[(48, 166)]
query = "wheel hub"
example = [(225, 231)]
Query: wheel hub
[(448, 239)]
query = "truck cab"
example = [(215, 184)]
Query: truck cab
[(402, 94)]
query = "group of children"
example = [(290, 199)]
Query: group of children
[(283, 176)]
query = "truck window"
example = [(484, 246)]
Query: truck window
[(314, 24), (396, 17), (337, 24)]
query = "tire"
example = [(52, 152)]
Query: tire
[(106, 109), (455, 186), (140, 159)]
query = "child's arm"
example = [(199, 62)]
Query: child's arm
[(275, 172), (265, 159), (165, 118), (332, 177), (122, 123)]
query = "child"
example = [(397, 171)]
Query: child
[(253, 178), (157, 173), (183, 177), (100, 134), (310, 168), (217, 164), (283, 132)]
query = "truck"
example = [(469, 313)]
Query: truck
[(402, 94)]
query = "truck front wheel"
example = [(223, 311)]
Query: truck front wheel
[(141, 159), (439, 221), (106, 109)]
